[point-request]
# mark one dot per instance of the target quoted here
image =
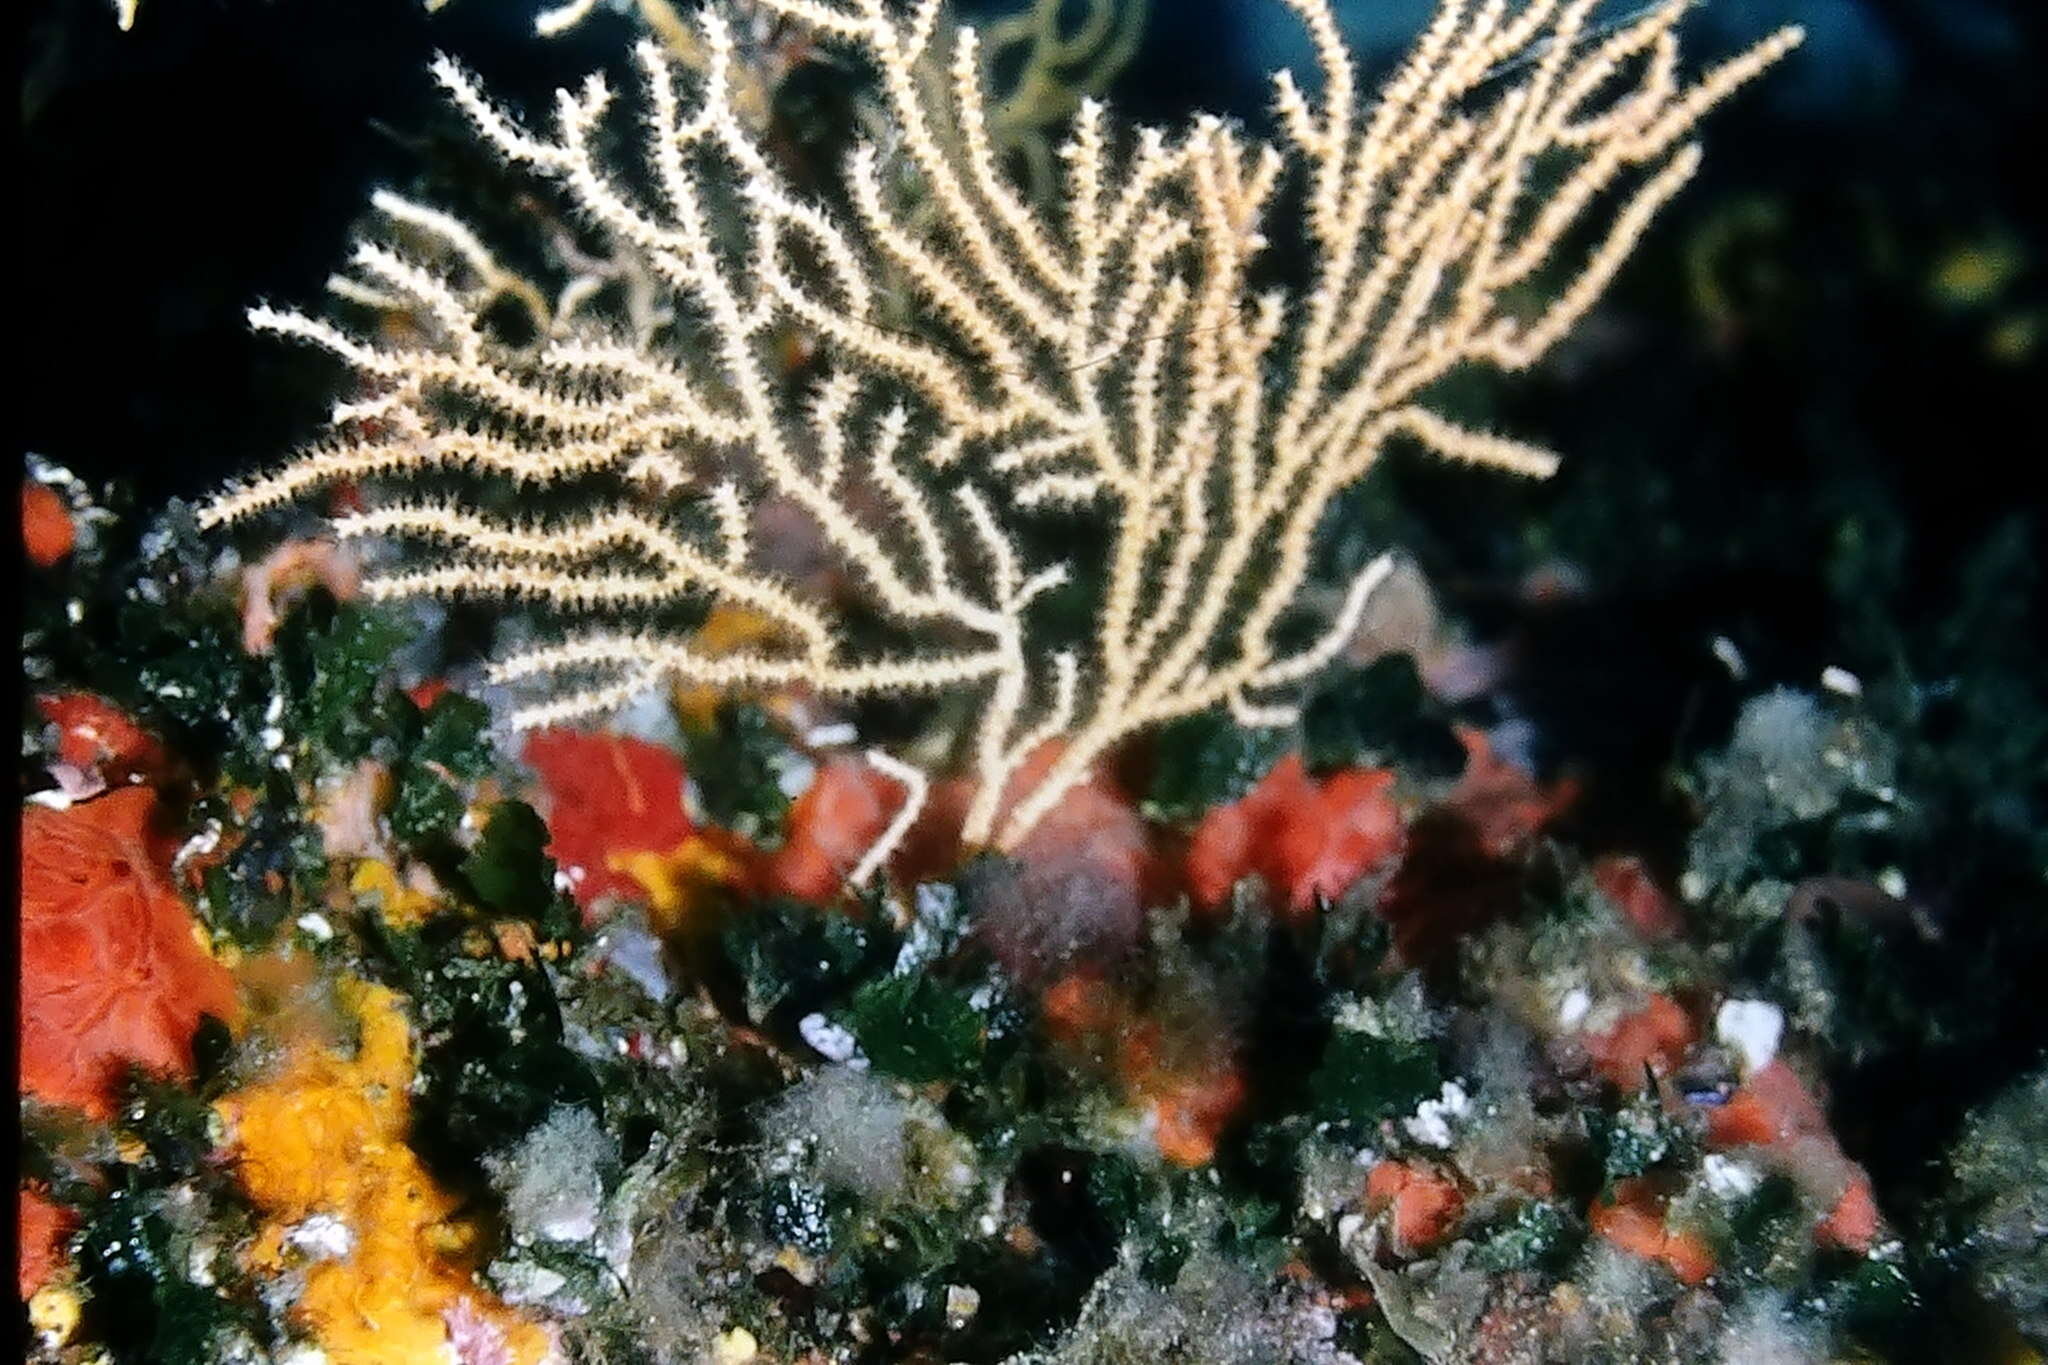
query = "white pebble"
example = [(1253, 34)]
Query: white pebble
[(1752, 1028), (1431, 1124), (1841, 681), (1573, 1008), (323, 1237), (1729, 1178), (833, 1042)]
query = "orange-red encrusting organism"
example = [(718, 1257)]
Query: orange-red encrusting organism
[(1425, 1204), (831, 824), (112, 970), (1653, 1038), (606, 798), (1188, 1088), (1627, 882), (1188, 1095), (94, 735), (47, 534), (1503, 803), (1634, 1220), (1779, 1122), (42, 1228), (1302, 836)]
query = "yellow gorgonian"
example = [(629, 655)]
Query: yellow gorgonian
[(321, 1149)]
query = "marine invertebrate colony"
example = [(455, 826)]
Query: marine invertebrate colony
[(120, 979), (981, 359)]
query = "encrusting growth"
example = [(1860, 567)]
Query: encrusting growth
[(980, 358)]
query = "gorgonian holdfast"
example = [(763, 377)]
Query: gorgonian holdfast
[(979, 357)]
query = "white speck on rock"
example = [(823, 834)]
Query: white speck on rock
[(1431, 1124), (1572, 1010), (1730, 1178), (205, 841), (962, 1303), (525, 1282), (735, 1347), (323, 1237), (833, 1042), (794, 776), (1752, 1028), (1730, 657)]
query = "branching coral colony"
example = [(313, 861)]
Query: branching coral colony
[(980, 359)]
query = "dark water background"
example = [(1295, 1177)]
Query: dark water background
[(221, 151)]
